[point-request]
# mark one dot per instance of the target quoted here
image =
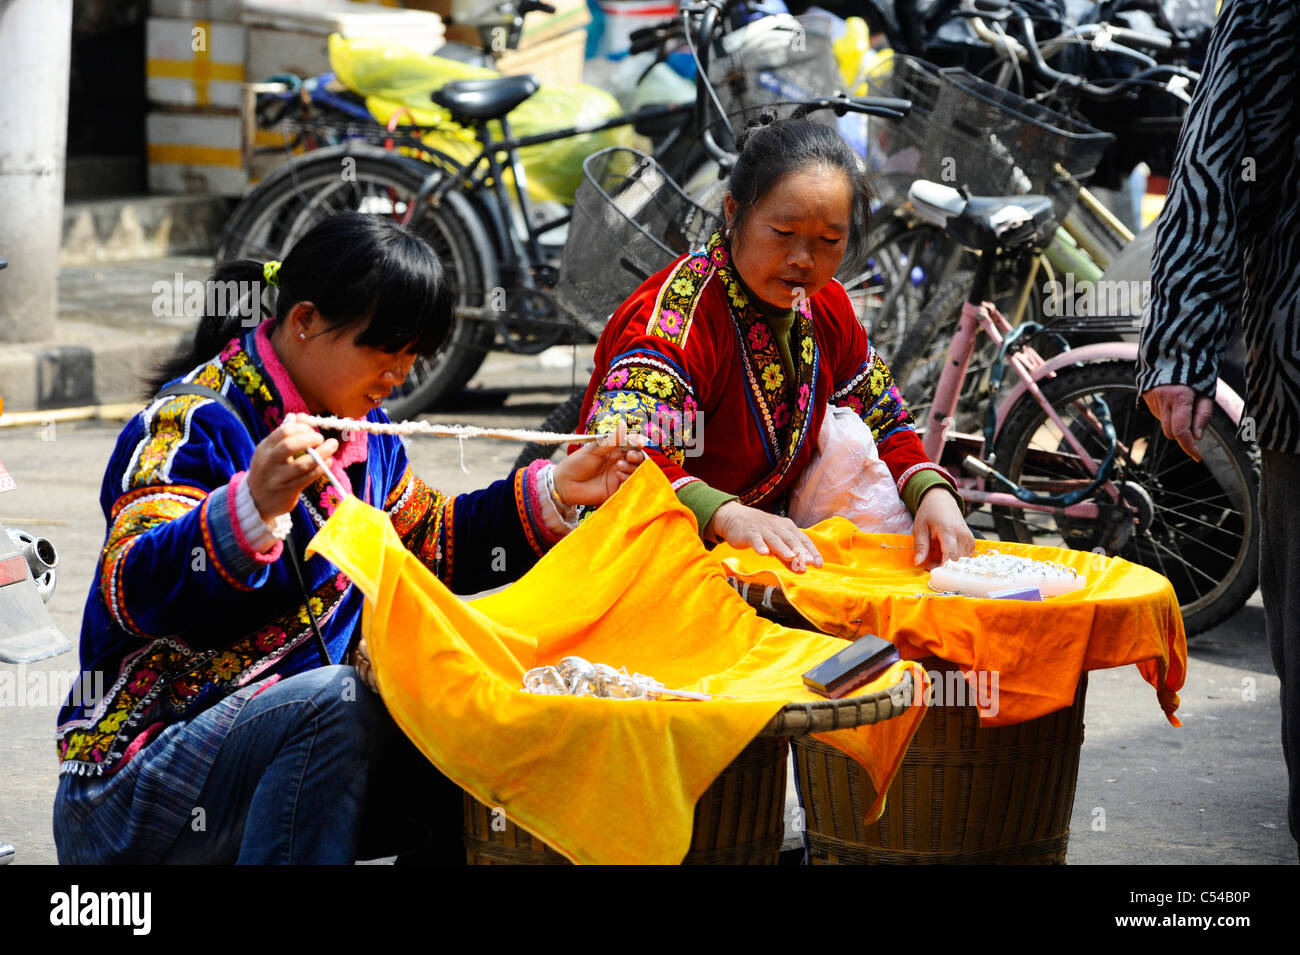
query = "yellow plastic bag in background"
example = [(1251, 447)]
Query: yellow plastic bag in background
[(394, 78)]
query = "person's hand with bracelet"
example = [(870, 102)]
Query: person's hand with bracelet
[(595, 471), (279, 471)]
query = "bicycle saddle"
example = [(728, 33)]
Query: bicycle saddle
[(984, 223), (485, 99)]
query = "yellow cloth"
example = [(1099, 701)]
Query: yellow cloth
[(868, 584), (602, 781)]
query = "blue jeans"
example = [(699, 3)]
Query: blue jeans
[(310, 770)]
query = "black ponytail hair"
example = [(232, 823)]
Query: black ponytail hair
[(771, 149), (352, 267)]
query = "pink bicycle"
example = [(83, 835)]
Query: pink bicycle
[(1068, 455)]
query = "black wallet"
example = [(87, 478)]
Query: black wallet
[(857, 664)]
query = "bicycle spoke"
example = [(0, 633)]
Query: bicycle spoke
[(1184, 563), (1201, 501), (1200, 542)]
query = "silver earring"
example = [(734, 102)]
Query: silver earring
[(302, 337)]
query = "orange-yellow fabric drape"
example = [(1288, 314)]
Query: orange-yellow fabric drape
[(602, 781), (868, 584)]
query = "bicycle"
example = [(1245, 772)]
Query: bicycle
[(1078, 459), (912, 261), (482, 227)]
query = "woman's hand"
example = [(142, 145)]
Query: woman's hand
[(1183, 415), (743, 526), (281, 469), (939, 520), (595, 471)]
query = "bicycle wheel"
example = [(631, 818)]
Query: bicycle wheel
[(563, 420), (1196, 522), (904, 265), (271, 218)]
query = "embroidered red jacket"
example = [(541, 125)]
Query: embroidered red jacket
[(691, 362)]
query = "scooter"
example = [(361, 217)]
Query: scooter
[(27, 578)]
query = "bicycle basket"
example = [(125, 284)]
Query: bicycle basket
[(772, 61), (894, 146), (995, 142), (630, 219)]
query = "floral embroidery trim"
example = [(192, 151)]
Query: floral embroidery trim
[(445, 539), (166, 430), (784, 435), (167, 673), (525, 519), (134, 514), (418, 512), (872, 395), (674, 309)]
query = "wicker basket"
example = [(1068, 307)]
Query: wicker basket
[(964, 795), (739, 820)]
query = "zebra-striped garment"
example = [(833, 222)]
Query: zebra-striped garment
[(1228, 243)]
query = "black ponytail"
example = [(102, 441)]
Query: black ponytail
[(354, 268), (771, 149)]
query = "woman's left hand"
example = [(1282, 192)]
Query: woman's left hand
[(595, 471), (939, 520)]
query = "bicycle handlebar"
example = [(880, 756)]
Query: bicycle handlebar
[(653, 37), (1028, 49), (1078, 84)]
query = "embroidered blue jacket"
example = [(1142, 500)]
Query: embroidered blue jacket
[(183, 611)]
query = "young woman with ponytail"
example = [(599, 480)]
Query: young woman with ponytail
[(233, 729)]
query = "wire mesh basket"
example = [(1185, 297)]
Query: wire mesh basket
[(772, 61), (895, 146), (994, 142), (630, 219)]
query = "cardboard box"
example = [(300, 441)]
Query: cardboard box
[(194, 62), (283, 38), (558, 60), (195, 152), (538, 27)]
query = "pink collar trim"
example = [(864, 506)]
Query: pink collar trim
[(357, 445)]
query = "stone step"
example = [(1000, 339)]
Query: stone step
[(141, 227)]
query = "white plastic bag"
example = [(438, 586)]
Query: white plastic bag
[(847, 478)]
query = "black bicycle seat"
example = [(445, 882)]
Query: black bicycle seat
[(984, 222), (485, 99)]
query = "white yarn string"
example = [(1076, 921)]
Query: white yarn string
[(461, 431)]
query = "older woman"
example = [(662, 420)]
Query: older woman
[(747, 341)]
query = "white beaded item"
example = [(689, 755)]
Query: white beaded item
[(461, 431), (994, 571)]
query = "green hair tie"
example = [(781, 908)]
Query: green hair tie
[(271, 272)]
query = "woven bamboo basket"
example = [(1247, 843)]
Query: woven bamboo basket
[(739, 818), (964, 795)]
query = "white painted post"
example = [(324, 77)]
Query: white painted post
[(35, 47)]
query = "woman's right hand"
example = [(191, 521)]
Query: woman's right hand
[(282, 469), (743, 526)]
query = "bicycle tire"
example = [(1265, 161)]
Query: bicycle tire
[(564, 420), (1201, 525), (275, 214)]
